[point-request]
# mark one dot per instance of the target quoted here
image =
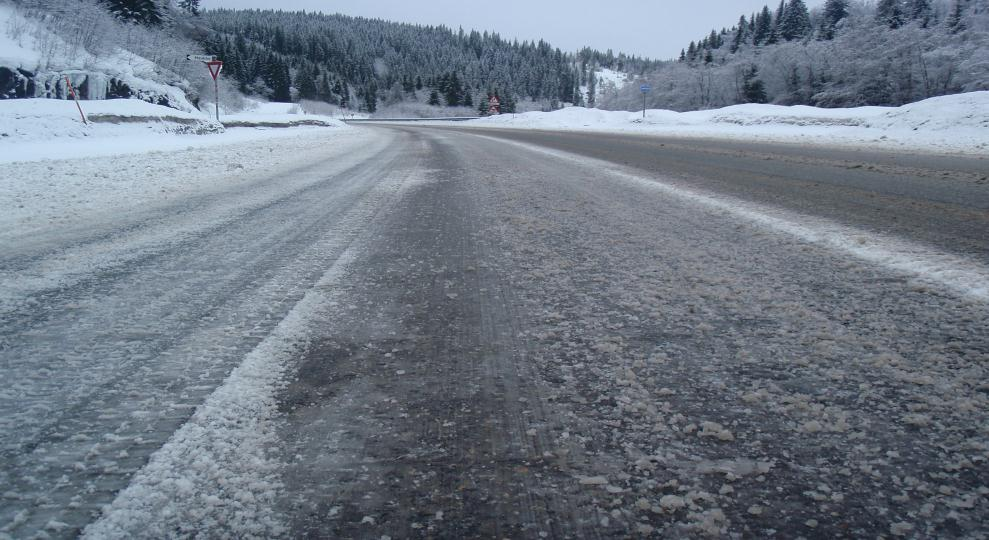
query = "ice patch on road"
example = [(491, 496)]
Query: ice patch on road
[(961, 276)]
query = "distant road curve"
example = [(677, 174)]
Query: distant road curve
[(389, 120)]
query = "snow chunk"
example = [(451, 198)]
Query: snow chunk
[(917, 419), (901, 528), (734, 467), (672, 503), (592, 480), (811, 426), (712, 522), (714, 429)]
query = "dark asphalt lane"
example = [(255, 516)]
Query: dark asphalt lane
[(529, 347), (409, 415), (941, 200)]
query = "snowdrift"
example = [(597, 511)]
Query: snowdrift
[(25, 120), (958, 123), (34, 129), (276, 115)]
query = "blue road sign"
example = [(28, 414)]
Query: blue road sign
[(645, 88)]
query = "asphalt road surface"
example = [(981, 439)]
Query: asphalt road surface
[(527, 335)]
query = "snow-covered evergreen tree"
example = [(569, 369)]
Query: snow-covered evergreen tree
[(452, 91), (920, 10), (146, 12), (889, 13), (592, 90), (795, 23), (763, 27), (834, 12), (192, 6), (956, 19), (359, 50), (752, 87), (371, 97), (774, 32), (940, 48), (741, 34)]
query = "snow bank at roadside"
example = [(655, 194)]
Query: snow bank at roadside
[(279, 120), (27, 120), (958, 123), (37, 129), (265, 115)]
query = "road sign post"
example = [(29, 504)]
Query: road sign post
[(214, 66), (214, 69), (645, 88)]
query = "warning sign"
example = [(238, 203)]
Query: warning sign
[(494, 105), (214, 67)]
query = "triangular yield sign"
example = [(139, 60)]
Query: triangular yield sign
[(214, 68)]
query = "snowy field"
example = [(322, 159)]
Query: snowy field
[(958, 123)]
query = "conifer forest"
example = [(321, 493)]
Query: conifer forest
[(844, 53)]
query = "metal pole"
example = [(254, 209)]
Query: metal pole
[(216, 94), (643, 105)]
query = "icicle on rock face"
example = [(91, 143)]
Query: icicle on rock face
[(15, 83)]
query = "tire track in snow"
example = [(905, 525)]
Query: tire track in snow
[(216, 473)]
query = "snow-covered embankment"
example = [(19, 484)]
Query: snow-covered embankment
[(958, 123)]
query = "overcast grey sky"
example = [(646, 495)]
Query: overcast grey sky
[(653, 28)]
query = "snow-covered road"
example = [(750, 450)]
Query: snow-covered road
[(443, 333), (121, 314)]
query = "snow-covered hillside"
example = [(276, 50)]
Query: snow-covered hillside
[(607, 83), (958, 123), (36, 60)]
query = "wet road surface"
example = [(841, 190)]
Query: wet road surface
[(532, 335)]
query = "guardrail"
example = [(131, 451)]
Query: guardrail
[(445, 119)]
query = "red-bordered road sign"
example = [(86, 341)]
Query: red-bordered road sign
[(214, 67)]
